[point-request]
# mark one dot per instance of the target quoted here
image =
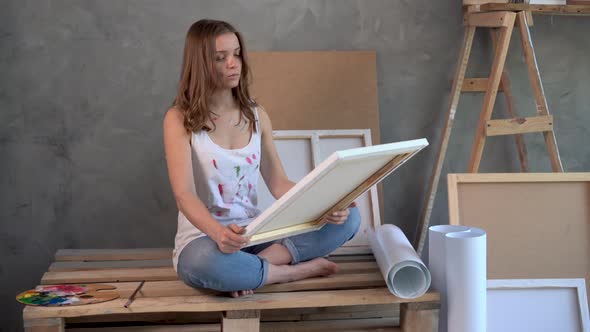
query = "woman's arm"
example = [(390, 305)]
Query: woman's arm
[(271, 167), (180, 173)]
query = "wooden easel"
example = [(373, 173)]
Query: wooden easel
[(501, 23)]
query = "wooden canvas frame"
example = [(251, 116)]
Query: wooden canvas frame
[(282, 219), (319, 149), (578, 285), (538, 224)]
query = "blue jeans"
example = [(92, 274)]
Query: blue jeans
[(202, 265)]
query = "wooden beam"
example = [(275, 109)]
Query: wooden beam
[(331, 325), (419, 317), (519, 125), (480, 2), (91, 255), (160, 274), (489, 20), (538, 92), (261, 301), (335, 325), (44, 325), (519, 139), (538, 9), (474, 85), (391, 311), (521, 177), (491, 93), (461, 68), (240, 321), (211, 327), (112, 254)]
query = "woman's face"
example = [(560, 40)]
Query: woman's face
[(228, 59)]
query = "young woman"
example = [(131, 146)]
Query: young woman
[(217, 142)]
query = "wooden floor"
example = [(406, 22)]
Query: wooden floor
[(354, 299)]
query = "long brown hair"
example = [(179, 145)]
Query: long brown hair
[(199, 79)]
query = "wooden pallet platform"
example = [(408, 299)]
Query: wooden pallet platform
[(354, 299)]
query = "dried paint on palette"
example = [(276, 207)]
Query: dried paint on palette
[(62, 290), (33, 297)]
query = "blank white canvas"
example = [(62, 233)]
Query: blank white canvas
[(535, 307)]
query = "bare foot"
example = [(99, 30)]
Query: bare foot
[(318, 267), (241, 293)]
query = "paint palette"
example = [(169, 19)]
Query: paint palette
[(67, 295)]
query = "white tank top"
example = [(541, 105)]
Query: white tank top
[(225, 180)]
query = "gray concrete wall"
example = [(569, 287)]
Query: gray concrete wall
[(84, 86)]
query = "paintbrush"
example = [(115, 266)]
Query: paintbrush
[(132, 297)]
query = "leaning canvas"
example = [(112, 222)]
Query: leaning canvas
[(331, 186)]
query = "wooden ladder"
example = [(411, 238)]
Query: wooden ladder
[(501, 24)]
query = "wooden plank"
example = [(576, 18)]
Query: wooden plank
[(519, 139), (160, 274), (519, 125), (44, 325), (479, 2), (538, 9), (240, 320), (489, 20), (419, 318), (490, 96), (343, 325), (271, 315), (375, 324), (142, 264), (113, 254), (109, 275), (153, 328), (91, 255), (505, 85), (260, 301), (526, 177), (98, 265), (346, 281), (537, 86), (422, 228), (475, 85), (344, 251), (452, 196), (179, 288), (355, 258), (529, 18), (329, 313)]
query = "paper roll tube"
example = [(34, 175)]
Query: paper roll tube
[(437, 263), (466, 280), (404, 272)]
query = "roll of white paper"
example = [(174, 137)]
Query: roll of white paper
[(466, 280), (404, 272), (437, 264)]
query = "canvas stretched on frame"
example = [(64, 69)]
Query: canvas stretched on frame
[(302, 150), (537, 224), (537, 305), (330, 187)]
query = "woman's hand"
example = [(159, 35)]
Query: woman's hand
[(339, 217), (229, 238)]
